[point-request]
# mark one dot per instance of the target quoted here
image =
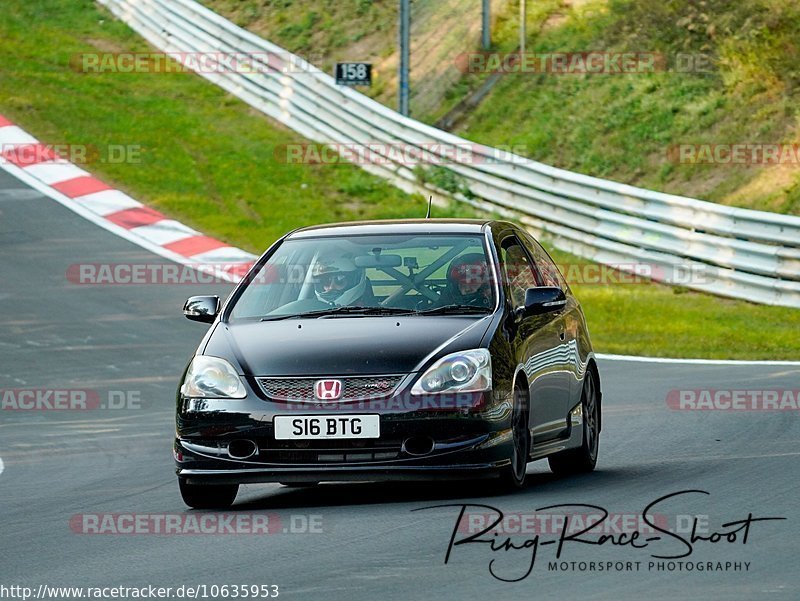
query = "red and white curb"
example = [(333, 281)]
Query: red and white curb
[(33, 162)]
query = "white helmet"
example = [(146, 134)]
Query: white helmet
[(338, 281)]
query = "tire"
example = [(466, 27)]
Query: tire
[(583, 459), (512, 477), (208, 496)]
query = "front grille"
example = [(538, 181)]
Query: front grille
[(345, 445), (307, 457), (331, 451), (354, 388), (328, 451)]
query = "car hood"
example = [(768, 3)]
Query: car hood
[(342, 345)]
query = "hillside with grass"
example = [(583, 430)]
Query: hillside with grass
[(728, 73), (202, 156), (327, 31)]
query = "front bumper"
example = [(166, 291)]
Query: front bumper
[(341, 474), (469, 440)]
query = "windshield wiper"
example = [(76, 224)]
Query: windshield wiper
[(280, 317), (455, 310), (360, 311), (344, 310)]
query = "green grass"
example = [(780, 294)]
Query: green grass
[(644, 318), (315, 28), (205, 156), (208, 160), (686, 324), (325, 32), (329, 31)]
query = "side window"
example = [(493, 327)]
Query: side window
[(518, 271), (551, 276)]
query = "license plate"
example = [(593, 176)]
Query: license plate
[(305, 427)]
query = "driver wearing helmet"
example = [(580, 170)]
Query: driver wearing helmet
[(468, 282), (337, 281)]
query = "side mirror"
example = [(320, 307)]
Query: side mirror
[(201, 308), (543, 299)]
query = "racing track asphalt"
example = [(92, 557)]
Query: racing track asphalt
[(58, 335)]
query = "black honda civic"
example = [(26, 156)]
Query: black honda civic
[(387, 350)]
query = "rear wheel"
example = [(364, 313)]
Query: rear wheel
[(512, 476), (584, 458), (208, 496)]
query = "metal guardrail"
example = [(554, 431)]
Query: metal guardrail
[(739, 253)]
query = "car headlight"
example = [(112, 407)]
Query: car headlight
[(212, 377), (467, 371)]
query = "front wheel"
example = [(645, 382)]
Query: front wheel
[(512, 477), (208, 496), (584, 458)]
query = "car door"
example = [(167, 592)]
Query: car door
[(537, 343), (570, 319)]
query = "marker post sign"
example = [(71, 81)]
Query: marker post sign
[(354, 74)]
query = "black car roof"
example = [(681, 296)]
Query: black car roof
[(395, 226)]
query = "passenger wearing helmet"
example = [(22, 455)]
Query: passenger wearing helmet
[(337, 281), (468, 282)]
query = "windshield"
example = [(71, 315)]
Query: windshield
[(371, 275)]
